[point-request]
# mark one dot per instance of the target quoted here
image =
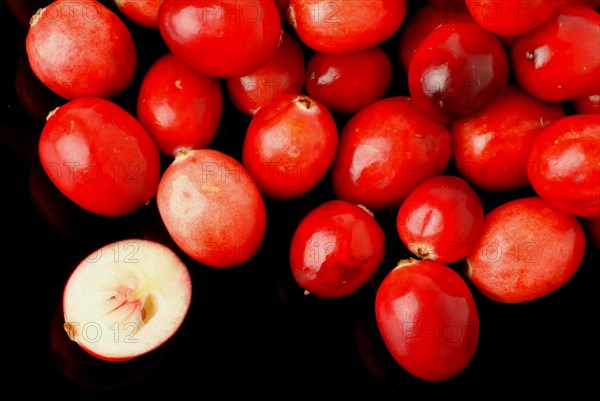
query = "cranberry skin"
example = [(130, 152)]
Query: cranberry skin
[(424, 21), (457, 70), (510, 17), (100, 157), (441, 219), (223, 38), (347, 82), (527, 249), (143, 12), (179, 107), (491, 147), (282, 74), (428, 319), (564, 164), (340, 26), (289, 146), (559, 60), (385, 151), (81, 49), (336, 249), (587, 104), (212, 208)]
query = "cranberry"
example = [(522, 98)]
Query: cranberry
[(441, 219), (510, 17), (221, 38), (282, 74), (559, 60), (564, 164), (491, 147), (179, 107), (428, 319), (340, 26), (336, 249), (457, 70), (100, 157), (385, 151), (347, 82), (81, 49), (143, 12), (289, 146), (587, 104), (527, 249)]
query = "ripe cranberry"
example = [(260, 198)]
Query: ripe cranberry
[(527, 249), (428, 319), (491, 147), (340, 26), (440, 220), (179, 107), (289, 146), (510, 17), (81, 49), (457, 70), (143, 12), (385, 151), (564, 164), (347, 82), (424, 21), (212, 208), (336, 249), (559, 60), (223, 38), (100, 157), (587, 104), (282, 74)]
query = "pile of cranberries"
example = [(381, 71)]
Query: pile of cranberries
[(471, 127)]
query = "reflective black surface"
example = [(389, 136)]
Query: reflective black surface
[(250, 329)]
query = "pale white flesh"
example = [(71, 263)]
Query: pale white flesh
[(126, 299)]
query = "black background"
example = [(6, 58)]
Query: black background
[(250, 329)]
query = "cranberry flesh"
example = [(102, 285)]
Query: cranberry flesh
[(559, 60), (289, 146), (336, 249), (347, 82), (527, 249), (441, 219), (457, 70), (385, 150), (490, 148), (564, 164), (223, 38), (81, 49), (100, 157), (179, 107), (428, 319)]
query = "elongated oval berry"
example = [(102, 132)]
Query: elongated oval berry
[(100, 156), (428, 319), (336, 249)]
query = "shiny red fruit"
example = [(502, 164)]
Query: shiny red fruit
[(143, 12), (336, 249), (490, 148), (340, 26), (385, 151), (100, 157), (223, 38), (564, 164), (527, 249), (510, 17), (428, 319), (289, 146), (587, 104), (179, 107), (457, 70), (282, 74), (559, 60), (441, 219), (347, 82), (212, 208), (81, 49)]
